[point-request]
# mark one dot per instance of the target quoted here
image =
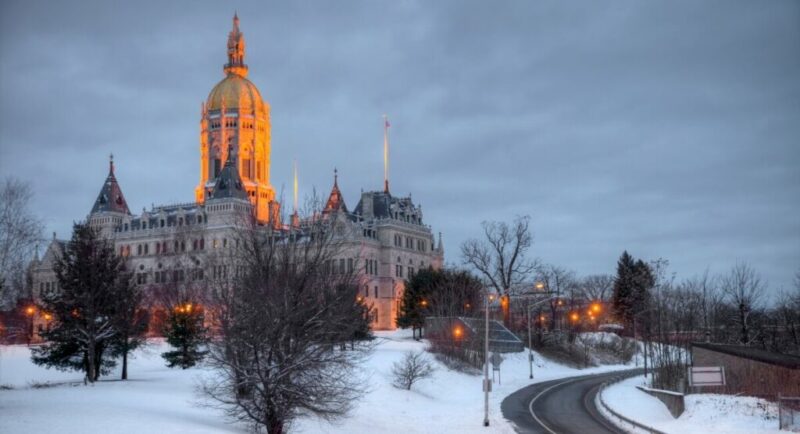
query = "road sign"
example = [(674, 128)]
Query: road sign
[(706, 376), (496, 360)]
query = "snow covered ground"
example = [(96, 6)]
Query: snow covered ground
[(705, 413), (162, 400)]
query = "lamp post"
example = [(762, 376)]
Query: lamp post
[(486, 382), (29, 312), (530, 342)]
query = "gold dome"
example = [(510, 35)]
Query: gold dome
[(235, 92)]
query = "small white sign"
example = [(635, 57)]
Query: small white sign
[(706, 376)]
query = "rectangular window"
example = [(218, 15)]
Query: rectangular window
[(349, 265), (341, 266), (248, 172), (376, 291)]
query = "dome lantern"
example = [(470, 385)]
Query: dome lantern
[(235, 63)]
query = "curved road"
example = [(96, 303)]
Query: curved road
[(561, 406)]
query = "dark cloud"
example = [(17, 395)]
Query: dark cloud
[(666, 128)]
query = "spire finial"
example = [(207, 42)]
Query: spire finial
[(385, 154), (335, 177), (111, 163), (236, 45)]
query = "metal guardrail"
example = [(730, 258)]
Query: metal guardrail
[(621, 417)]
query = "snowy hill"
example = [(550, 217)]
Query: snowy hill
[(163, 400), (705, 413)]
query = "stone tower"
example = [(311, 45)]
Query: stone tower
[(235, 119)]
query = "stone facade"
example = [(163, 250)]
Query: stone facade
[(384, 237)]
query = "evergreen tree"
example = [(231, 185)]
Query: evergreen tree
[(415, 302), (622, 298), (83, 306), (441, 293), (130, 322), (186, 333), (643, 282), (632, 286), (363, 331)]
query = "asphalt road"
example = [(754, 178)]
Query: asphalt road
[(561, 406)]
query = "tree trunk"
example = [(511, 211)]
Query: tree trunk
[(743, 319), (125, 360), (98, 360), (505, 305), (274, 425), (90, 349)]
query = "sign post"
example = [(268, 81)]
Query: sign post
[(496, 359)]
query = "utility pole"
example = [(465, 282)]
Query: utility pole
[(486, 383)]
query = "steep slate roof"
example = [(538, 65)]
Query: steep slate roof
[(228, 184), (785, 360), (110, 198), (335, 200), (381, 204)]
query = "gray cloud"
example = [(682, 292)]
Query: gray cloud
[(666, 128)]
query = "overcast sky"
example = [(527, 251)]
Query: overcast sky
[(671, 129)]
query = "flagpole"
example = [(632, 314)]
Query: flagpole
[(385, 154), (295, 186)]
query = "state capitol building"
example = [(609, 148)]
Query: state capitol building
[(384, 237)]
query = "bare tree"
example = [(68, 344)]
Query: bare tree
[(413, 368), (744, 289), (597, 287), (282, 319), (20, 230), (560, 282), (500, 257)]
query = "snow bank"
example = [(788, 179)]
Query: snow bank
[(162, 400), (705, 413)]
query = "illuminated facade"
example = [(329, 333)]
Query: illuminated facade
[(384, 238), (235, 120)]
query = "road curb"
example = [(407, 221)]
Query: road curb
[(619, 416)]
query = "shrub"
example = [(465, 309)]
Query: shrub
[(413, 368)]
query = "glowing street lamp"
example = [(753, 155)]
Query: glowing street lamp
[(574, 317), (539, 286), (30, 310), (457, 332), (596, 308), (424, 303)]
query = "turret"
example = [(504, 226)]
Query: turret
[(110, 207)]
